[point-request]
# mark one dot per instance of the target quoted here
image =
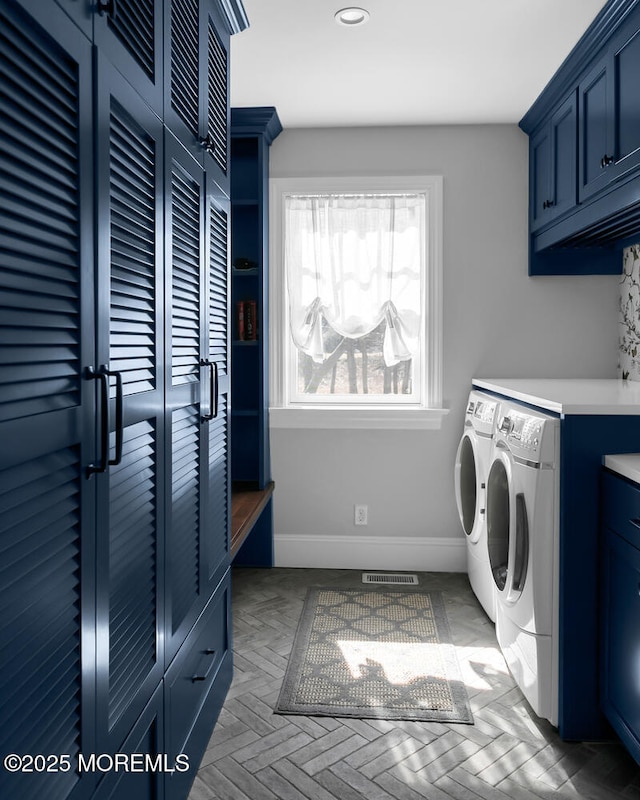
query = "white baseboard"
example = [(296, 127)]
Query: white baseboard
[(407, 553)]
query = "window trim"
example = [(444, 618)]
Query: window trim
[(429, 413)]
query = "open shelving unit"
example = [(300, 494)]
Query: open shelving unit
[(252, 132)]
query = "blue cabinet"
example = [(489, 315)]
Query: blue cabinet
[(583, 205), (47, 505), (625, 64), (129, 34), (595, 92), (553, 160), (620, 645), (196, 491), (114, 466), (609, 115), (196, 89), (129, 334)]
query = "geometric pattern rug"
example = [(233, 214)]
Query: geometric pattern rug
[(372, 653)]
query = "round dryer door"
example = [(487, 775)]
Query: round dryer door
[(498, 522), (507, 530), (467, 486)]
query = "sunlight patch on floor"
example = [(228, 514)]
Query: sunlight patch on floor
[(479, 665), (399, 662)]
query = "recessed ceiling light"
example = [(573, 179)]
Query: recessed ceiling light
[(351, 16)]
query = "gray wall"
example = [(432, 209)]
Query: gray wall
[(498, 322)]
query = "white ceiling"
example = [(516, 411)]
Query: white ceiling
[(415, 62)]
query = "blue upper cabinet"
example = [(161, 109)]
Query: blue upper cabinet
[(129, 33), (197, 37), (610, 113), (585, 151), (624, 106), (183, 101), (596, 145), (553, 159)]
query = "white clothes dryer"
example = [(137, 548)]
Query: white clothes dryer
[(473, 460), (523, 542)]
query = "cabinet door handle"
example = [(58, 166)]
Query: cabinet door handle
[(195, 678), (606, 160), (213, 389), (207, 143), (119, 416), (102, 376), (107, 7), (547, 204)]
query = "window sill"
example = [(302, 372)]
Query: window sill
[(358, 418)]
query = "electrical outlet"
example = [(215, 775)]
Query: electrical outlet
[(360, 515)]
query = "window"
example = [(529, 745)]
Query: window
[(355, 291)]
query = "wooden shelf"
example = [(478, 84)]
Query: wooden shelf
[(246, 506)]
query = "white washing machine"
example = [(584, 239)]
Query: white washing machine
[(473, 460), (522, 537)]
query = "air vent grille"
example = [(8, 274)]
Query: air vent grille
[(397, 578)]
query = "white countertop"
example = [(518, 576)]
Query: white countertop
[(627, 465), (569, 395)]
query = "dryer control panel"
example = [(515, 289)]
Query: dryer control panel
[(482, 413)]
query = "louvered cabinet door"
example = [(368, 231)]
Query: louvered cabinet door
[(214, 54), (129, 33), (188, 385), (197, 86), (183, 100), (131, 348), (218, 486), (47, 501)]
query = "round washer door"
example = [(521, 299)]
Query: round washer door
[(469, 489)]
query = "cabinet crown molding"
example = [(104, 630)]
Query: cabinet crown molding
[(256, 120), (235, 15), (606, 25)]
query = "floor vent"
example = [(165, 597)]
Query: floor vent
[(390, 577)]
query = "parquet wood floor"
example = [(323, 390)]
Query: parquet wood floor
[(508, 754)]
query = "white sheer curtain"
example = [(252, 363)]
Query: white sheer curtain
[(355, 260)]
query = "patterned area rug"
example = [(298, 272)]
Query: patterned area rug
[(374, 654)]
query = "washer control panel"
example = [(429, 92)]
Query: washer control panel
[(523, 432)]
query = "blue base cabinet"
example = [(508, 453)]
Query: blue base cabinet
[(114, 393), (620, 599)]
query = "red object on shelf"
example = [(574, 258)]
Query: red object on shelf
[(250, 320), (240, 319)]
